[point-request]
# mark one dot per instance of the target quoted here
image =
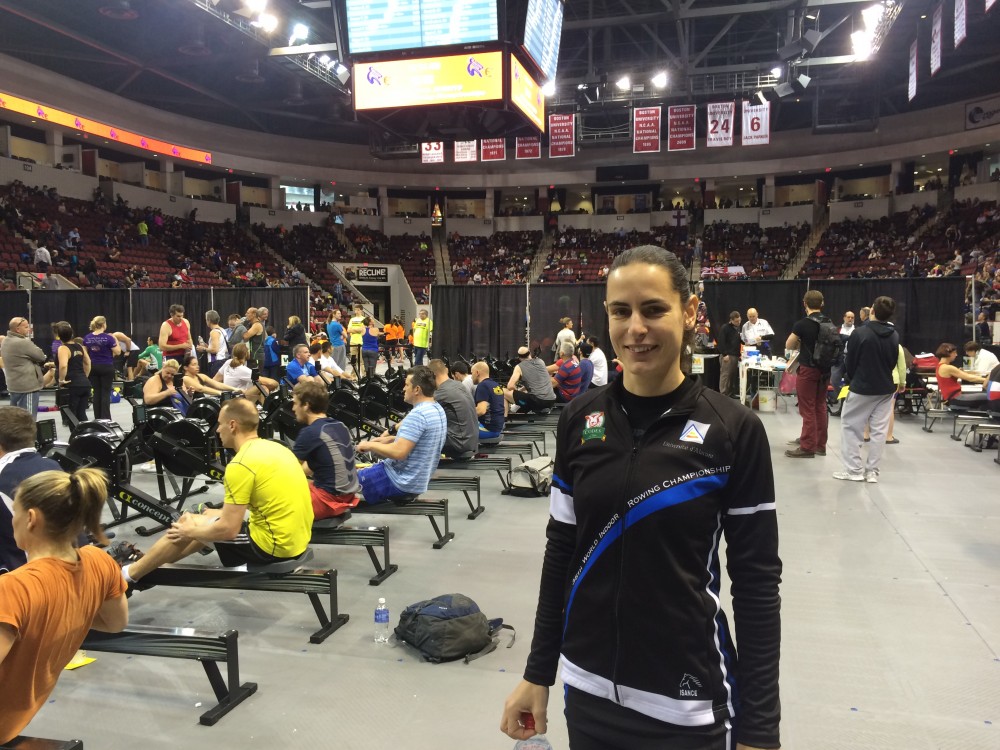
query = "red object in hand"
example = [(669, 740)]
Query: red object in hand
[(527, 720)]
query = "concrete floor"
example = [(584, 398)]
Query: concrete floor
[(891, 620)]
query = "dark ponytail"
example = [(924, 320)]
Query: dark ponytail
[(70, 503)]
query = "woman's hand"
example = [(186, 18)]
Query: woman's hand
[(527, 698)]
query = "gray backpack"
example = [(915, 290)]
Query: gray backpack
[(530, 479), (449, 627)]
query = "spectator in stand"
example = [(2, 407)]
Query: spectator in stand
[(600, 361), (983, 334), (729, 349), (103, 348), (143, 229), (73, 363), (983, 360), (43, 258), (338, 338), (48, 605), (22, 366), (568, 378), (491, 406)]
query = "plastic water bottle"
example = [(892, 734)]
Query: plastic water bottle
[(538, 742), (381, 622)]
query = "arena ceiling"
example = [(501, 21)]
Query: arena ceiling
[(179, 55)]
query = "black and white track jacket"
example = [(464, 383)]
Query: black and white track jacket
[(629, 602)]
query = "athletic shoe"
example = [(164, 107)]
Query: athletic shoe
[(821, 452), (793, 442), (125, 552), (848, 476), (148, 468), (871, 477)]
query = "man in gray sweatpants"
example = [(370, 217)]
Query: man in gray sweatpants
[(872, 352)]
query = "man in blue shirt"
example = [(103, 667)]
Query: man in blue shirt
[(586, 366), (300, 369), (412, 454), (491, 406), (338, 339)]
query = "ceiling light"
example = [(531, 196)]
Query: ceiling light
[(811, 16), (623, 83), (324, 59), (300, 32), (549, 89), (776, 71), (256, 7), (872, 16), (266, 23), (660, 80), (861, 41)]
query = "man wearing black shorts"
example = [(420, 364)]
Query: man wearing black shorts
[(263, 475)]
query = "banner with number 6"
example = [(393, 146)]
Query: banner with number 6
[(720, 124), (756, 124)]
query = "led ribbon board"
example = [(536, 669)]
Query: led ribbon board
[(100, 130)]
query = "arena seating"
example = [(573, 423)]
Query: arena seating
[(499, 259), (763, 253)]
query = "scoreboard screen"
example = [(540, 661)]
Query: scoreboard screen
[(526, 94), (542, 33), (386, 25), (451, 79)]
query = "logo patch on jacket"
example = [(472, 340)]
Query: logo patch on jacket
[(694, 432), (689, 686), (593, 427)]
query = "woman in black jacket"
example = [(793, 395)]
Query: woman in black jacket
[(650, 472), (295, 334)]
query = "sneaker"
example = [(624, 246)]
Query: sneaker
[(871, 477), (124, 552), (793, 442), (821, 451), (149, 467), (848, 476)]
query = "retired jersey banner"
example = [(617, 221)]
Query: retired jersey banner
[(911, 89), (465, 150), (936, 26), (646, 130), (680, 127), (720, 124), (528, 148), (562, 136), (432, 152), (959, 22), (756, 124), (493, 149)]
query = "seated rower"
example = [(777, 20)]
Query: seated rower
[(530, 387), (197, 382), (264, 476), (491, 406), (412, 454), (235, 374), (460, 411), (159, 389), (299, 369), (321, 356), (325, 448)]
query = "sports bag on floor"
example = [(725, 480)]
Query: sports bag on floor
[(530, 479), (450, 627)]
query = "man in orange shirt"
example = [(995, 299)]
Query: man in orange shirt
[(394, 335)]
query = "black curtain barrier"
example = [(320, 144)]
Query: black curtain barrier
[(13, 305), (280, 303), (777, 302), (478, 320), (77, 307), (549, 303)]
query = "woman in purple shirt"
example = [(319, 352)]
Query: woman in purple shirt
[(103, 348)]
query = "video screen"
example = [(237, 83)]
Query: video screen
[(385, 25), (451, 79), (526, 94), (542, 34)]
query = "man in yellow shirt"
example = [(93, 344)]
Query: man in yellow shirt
[(423, 327), (263, 475), (356, 330)]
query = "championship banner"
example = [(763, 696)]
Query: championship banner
[(562, 136), (646, 130), (465, 151), (756, 124), (680, 127), (720, 124), (959, 22), (911, 90), (936, 26), (493, 149), (432, 152), (528, 148)]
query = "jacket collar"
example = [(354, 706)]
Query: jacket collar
[(685, 405)]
